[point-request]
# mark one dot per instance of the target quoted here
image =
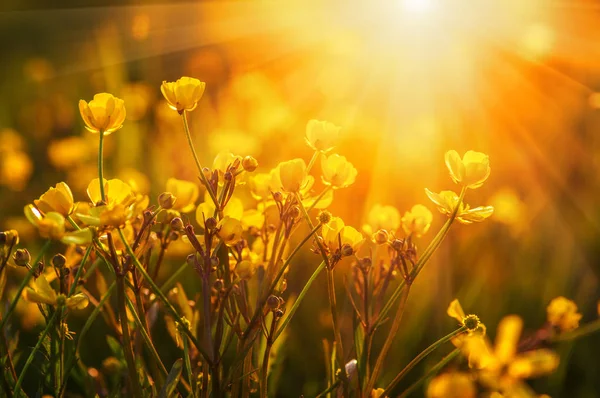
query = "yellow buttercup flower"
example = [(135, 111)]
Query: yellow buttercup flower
[(452, 385), (262, 184), (58, 199), (417, 221), (382, 217), (115, 190), (104, 114), (472, 170), (184, 94), (562, 313), (336, 232), (292, 175), (186, 193), (321, 136), (52, 225), (230, 230), (456, 311), (42, 292), (447, 201), (337, 171), (233, 209)]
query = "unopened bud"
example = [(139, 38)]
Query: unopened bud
[(177, 224), (210, 223), (295, 212), (228, 176), (207, 173), (173, 236), (398, 244), (10, 237), (277, 196), (324, 217), (59, 261), (22, 257), (365, 263), (278, 313), (249, 163), (273, 302), (218, 284), (346, 250), (166, 200), (380, 237)]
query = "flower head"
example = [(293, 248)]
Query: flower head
[(115, 191), (321, 136), (336, 234), (292, 175), (337, 171), (186, 193), (104, 114), (230, 230), (471, 171), (417, 221), (452, 385), (184, 94), (52, 226), (446, 201), (562, 313), (58, 199), (42, 292)]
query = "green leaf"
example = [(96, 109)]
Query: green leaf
[(172, 379)]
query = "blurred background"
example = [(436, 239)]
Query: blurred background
[(406, 79)]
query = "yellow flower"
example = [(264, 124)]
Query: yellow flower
[(15, 170), (230, 230), (262, 184), (447, 201), (186, 193), (417, 221), (456, 311), (233, 209), (42, 292), (184, 94), (321, 136), (115, 191), (104, 114), (337, 171), (336, 232), (58, 199), (472, 170), (382, 217), (562, 313), (377, 393), (292, 175), (452, 385), (52, 226)]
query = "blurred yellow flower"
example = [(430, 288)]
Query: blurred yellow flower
[(262, 184), (417, 221), (508, 207), (382, 217), (104, 114), (446, 201), (52, 226), (68, 152), (116, 192), (337, 171), (377, 393), (42, 292), (15, 170), (562, 313), (321, 136), (230, 230), (292, 175), (336, 232), (184, 94), (137, 180), (58, 199), (186, 193), (456, 311), (472, 170), (452, 385), (233, 209)]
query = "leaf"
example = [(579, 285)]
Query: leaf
[(172, 380), (115, 348)]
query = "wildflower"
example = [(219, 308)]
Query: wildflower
[(382, 217), (245, 269), (15, 170), (321, 136), (377, 393), (115, 191), (455, 311), (42, 292), (104, 114), (22, 258), (119, 206), (471, 171), (417, 221), (249, 163), (234, 208), (186, 193), (230, 230), (337, 171), (447, 201), (336, 231), (562, 313), (226, 161), (262, 184), (184, 94), (166, 200), (58, 199), (292, 175), (68, 152), (452, 385), (52, 226)]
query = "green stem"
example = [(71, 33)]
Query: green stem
[(296, 304), (583, 331), (186, 127), (434, 370), (49, 326), (188, 365), (327, 189), (24, 283), (101, 167), (312, 162), (336, 325), (420, 357), (80, 270), (136, 389)]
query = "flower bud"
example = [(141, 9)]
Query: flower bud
[(22, 257), (295, 212), (166, 200), (278, 313), (346, 250), (59, 261), (397, 244), (228, 176), (273, 302), (324, 217), (207, 173), (380, 237), (249, 163), (177, 224), (10, 237), (173, 236), (210, 223), (277, 196), (218, 284)]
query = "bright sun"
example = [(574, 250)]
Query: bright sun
[(417, 6)]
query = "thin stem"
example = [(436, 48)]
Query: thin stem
[(80, 270), (186, 127), (420, 357), (101, 167), (336, 325), (388, 341), (318, 198), (434, 370), (265, 363), (299, 299), (49, 326), (136, 389), (312, 161), (188, 365), (583, 331), (24, 283)]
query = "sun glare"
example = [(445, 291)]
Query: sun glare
[(418, 6)]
